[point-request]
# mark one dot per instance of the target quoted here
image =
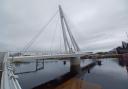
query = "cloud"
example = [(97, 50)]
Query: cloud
[(96, 24)]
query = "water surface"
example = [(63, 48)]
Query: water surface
[(110, 75)]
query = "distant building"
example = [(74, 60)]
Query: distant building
[(122, 49)]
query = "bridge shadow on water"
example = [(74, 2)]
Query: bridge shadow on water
[(53, 84), (86, 70), (62, 79)]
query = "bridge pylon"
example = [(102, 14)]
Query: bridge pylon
[(70, 43)]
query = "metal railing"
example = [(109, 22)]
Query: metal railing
[(8, 80)]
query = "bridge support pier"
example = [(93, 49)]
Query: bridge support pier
[(75, 65)]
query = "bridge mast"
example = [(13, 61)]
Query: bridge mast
[(65, 27), (66, 43), (70, 47)]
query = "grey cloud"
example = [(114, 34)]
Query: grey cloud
[(96, 24)]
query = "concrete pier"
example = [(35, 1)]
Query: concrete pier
[(75, 65)]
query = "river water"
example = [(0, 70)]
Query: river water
[(109, 75)]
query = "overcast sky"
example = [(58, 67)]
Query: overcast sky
[(97, 25)]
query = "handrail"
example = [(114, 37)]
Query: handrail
[(8, 80)]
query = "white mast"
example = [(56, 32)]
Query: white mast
[(65, 26)]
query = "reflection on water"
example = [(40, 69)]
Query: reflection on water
[(108, 73), (52, 69), (30, 78), (123, 63)]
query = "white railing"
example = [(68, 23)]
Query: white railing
[(8, 80)]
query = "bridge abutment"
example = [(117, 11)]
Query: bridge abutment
[(75, 65)]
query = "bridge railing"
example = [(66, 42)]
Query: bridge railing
[(8, 80)]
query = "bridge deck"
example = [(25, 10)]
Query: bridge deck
[(46, 56)]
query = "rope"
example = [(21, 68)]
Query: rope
[(29, 44)]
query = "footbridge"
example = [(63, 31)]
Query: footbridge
[(55, 56), (72, 52)]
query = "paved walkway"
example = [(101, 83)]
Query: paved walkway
[(75, 83)]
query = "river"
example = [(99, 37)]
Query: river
[(109, 75)]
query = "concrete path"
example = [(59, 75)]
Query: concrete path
[(76, 83)]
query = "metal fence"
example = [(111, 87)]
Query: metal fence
[(8, 80)]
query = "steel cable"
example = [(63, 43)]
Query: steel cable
[(29, 44)]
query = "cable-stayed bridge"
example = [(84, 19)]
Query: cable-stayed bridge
[(71, 48), (71, 52)]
